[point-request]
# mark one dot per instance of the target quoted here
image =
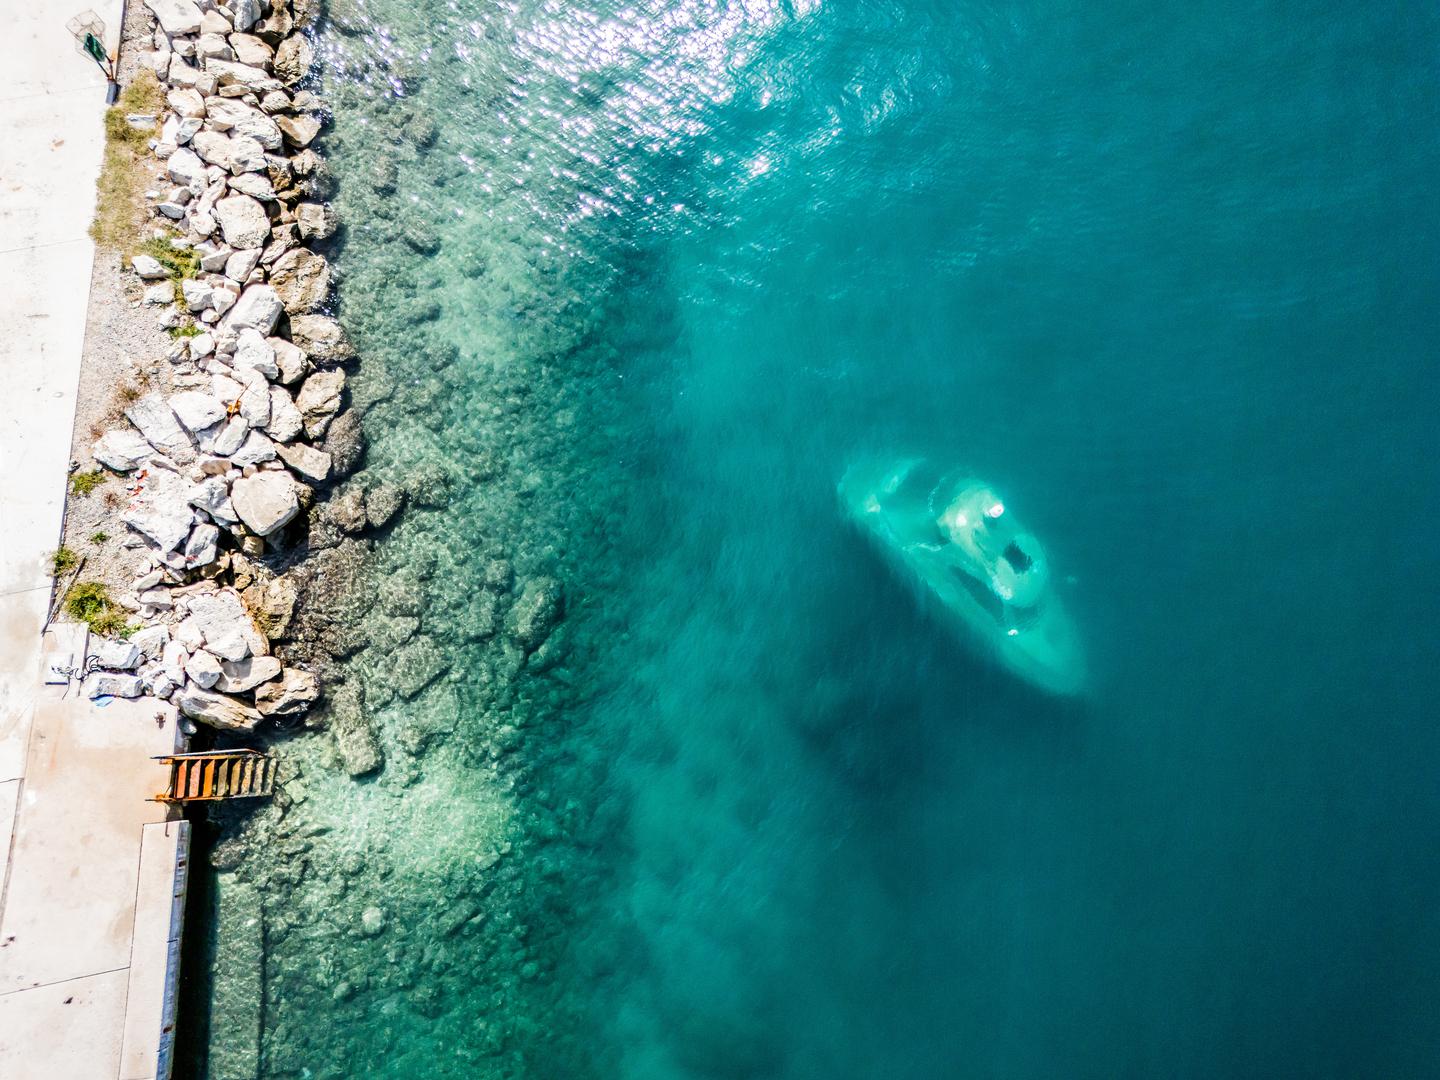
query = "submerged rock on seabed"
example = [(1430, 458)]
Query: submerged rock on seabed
[(382, 503), (345, 443), (535, 613), (354, 735)]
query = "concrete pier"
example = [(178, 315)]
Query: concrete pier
[(93, 892)]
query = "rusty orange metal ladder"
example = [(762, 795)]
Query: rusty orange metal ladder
[(208, 776)]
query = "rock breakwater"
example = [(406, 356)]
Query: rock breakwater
[(242, 433)]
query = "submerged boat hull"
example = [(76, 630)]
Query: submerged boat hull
[(895, 504)]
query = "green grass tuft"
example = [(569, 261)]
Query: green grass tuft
[(89, 602), (83, 483), (119, 203), (99, 537), (62, 561), (181, 262)]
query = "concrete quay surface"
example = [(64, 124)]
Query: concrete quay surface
[(91, 874)]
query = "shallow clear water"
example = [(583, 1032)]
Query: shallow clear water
[(641, 281)]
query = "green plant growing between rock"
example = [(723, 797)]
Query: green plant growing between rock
[(83, 483), (62, 561), (181, 263), (98, 538), (89, 602), (118, 203)]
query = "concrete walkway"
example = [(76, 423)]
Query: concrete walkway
[(91, 909), (52, 103), (89, 870)]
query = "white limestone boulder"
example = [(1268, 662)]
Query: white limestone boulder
[(149, 268), (255, 450), (319, 400), (155, 420), (215, 148), (242, 676), (302, 280), (255, 399), (266, 502), (294, 58), (239, 265), (258, 308), (160, 509), (291, 694), (306, 461), (238, 118), (107, 684), (223, 624), (202, 546), (315, 221), (299, 131), (321, 337), (242, 221), (177, 16), (289, 361), (246, 13), (253, 351), (251, 50), (217, 710), (197, 410), (203, 669), (121, 450), (185, 167), (115, 655), (286, 423), (213, 496)]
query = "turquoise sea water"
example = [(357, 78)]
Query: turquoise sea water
[(640, 281)]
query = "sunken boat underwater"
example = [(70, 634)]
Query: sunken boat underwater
[(953, 537)]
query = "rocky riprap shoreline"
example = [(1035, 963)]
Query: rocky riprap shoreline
[(225, 465)]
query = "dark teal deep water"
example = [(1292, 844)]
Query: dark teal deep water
[(1169, 275)]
